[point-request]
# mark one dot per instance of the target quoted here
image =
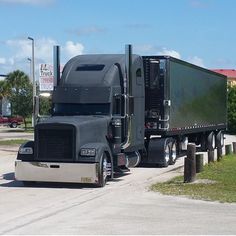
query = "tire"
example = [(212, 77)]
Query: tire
[(173, 154), (13, 125), (220, 139), (203, 143), (211, 141), (167, 152), (103, 171)]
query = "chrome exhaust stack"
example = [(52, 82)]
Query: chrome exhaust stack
[(128, 94)]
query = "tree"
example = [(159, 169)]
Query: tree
[(232, 109), (45, 105), (18, 89), (3, 89)]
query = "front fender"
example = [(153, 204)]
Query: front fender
[(100, 149)]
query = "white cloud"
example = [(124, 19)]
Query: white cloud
[(21, 49), (148, 49), (197, 61), (27, 2), (72, 49), (2, 60), (169, 52)]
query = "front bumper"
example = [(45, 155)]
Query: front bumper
[(56, 172)]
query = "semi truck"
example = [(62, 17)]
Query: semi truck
[(111, 112)]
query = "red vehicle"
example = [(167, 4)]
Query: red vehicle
[(13, 122)]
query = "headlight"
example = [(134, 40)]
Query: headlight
[(26, 150), (91, 152)]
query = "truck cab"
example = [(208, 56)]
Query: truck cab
[(96, 126)]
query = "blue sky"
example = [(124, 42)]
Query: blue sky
[(199, 31)]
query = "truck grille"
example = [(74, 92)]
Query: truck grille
[(55, 144)]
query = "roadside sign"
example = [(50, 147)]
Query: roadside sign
[(45, 77)]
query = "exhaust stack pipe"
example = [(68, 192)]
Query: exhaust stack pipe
[(56, 64), (128, 69), (128, 94)]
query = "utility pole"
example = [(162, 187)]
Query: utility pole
[(33, 80)]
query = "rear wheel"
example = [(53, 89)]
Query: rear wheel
[(167, 153), (173, 154)]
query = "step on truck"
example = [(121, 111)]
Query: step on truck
[(112, 112)]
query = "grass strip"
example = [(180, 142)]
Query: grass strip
[(12, 142), (216, 183)]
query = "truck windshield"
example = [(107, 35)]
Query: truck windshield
[(72, 109)]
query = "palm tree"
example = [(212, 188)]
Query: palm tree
[(18, 89)]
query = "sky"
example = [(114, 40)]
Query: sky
[(202, 32)]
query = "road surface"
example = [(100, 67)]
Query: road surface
[(9, 133), (124, 206)]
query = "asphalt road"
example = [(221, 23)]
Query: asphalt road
[(124, 206), (10, 133)]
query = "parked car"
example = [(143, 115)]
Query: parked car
[(12, 122)]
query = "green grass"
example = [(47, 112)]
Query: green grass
[(220, 184), (13, 142)]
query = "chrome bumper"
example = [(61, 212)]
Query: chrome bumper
[(56, 172)]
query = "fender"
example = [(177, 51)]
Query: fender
[(100, 149)]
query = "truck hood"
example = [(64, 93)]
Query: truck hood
[(89, 129)]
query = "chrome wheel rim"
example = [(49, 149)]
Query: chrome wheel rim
[(173, 152), (213, 141), (167, 153), (104, 168)]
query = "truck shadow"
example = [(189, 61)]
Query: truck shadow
[(15, 183)]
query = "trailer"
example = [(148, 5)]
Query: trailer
[(183, 103), (115, 111)]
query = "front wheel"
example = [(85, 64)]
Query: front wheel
[(104, 171)]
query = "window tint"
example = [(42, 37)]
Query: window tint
[(90, 67)]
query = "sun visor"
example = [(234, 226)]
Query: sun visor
[(82, 95)]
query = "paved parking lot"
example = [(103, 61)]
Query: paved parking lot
[(18, 133), (124, 206)]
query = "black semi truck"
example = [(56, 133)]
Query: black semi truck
[(112, 112)]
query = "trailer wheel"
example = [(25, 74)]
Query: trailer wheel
[(173, 154), (211, 141), (103, 171), (220, 139)]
